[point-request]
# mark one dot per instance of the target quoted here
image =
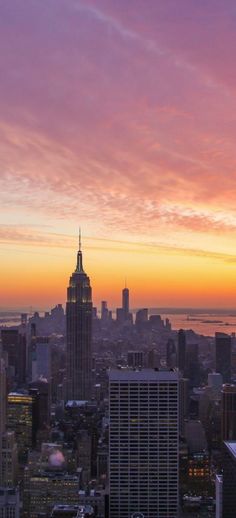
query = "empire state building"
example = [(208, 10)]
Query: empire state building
[(79, 333)]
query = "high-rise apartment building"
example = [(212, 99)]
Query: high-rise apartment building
[(223, 355), (228, 413), (79, 333), (144, 437)]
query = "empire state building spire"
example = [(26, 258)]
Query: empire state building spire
[(79, 332), (79, 266)]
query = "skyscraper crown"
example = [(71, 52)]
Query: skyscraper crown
[(79, 266)]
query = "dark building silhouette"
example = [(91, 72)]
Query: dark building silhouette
[(14, 344), (42, 388), (79, 333), (135, 359), (22, 418), (156, 322), (183, 403), (228, 423), (120, 316), (125, 303), (72, 511), (223, 356), (229, 479), (104, 311), (141, 319), (192, 367), (181, 353), (170, 353), (31, 349), (141, 315)]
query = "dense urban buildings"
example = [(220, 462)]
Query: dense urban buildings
[(112, 412)]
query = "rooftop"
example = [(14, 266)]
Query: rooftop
[(143, 375)]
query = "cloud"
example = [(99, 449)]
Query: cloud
[(23, 237), (118, 114)]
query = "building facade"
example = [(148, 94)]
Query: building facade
[(144, 438), (9, 503), (228, 413), (181, 352), (229, 479), (125, 302), (79, 333), (223, 355), (20, 421)]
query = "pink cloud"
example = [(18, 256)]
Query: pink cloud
[(119, 112)]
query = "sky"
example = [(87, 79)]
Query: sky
[(118, 117)]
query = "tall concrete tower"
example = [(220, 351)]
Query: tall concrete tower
[(79, 332), (125, 302)]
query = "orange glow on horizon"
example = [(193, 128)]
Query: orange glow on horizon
[(156, 278)]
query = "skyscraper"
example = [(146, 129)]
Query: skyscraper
[(228, 412), (3, 408), (104, 311), (170, 353), (181, 350), (125, 302), (223, 356), (20, 421), (3, 397), (143, 450), (79, 333), (14, 344), (229, 479)]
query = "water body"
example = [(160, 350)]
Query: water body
[(205, 324)]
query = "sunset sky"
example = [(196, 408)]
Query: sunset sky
[(120, 117)]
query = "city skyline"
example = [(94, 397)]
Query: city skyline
[(120, 119)]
